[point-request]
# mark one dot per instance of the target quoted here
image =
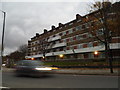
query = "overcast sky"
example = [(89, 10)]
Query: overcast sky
[(25, 19)]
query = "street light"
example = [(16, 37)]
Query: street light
[(2, 46), (96, 53), (43, 57), (61, 55), (32, 58)]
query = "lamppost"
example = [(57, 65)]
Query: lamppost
[(2, 45)]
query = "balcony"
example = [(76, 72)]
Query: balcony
[(59, 45), (54, 38)]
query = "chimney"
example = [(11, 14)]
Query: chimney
[(53, 27), (37, 34), (106, 4), (45, 30), (78, 16), (60, 24)]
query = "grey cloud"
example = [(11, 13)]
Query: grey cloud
[(25, 19)]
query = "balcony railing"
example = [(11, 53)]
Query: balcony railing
[(54, 38), (59, 45)]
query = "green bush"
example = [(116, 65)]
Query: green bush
[(76, 63)]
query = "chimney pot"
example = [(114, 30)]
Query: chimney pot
[(60, 24), (45, 30), (53, 27), (78, 16), (37, 34)]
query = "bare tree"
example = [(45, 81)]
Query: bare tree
[(13, 57), (23, 48), (104, 16), (43, 47)]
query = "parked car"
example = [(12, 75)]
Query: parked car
[(32, 68)]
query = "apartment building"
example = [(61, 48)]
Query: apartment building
[(74, 40)]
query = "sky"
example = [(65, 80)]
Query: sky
[(26, 18)]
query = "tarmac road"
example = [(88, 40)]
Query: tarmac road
[(60, 81)]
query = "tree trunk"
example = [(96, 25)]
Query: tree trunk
[(108, 56)]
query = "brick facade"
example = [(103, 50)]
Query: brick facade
[(72, 38)]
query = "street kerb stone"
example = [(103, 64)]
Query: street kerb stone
[(79, 71)]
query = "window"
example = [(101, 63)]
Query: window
[(83, 26), (61, 49), (85, 45), (74, 29), (97, 22), (100, 31), (75, 47), (60, 41), (54, 50), (64, 49), (64, 33), (54, 42), (80, 46), (74, 38), (70, 31), (54, 35), (90, 35), (67, 32), (71, 39), (67, 40), (68, 48), (33, 43), (78, 37), (92, 23), (79, 20), (57, 49), (91, 55), (101, 44), (101, 20), (57, 42), (78, 28), (36, 48), (90, 44), (60, 28), (95, 44), (71, 24), (86, 55), (86, 25), (60, 34), (64, 40), (84, 36), (89, 24)]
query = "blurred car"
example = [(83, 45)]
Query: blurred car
[(3, 65), (32, 68)]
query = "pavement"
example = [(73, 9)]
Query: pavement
[(79, 71)]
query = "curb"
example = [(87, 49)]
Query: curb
[(64, 71), (107, 74)]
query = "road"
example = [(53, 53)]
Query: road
[(60, 81)]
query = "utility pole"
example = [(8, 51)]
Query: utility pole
[(2, 46)]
